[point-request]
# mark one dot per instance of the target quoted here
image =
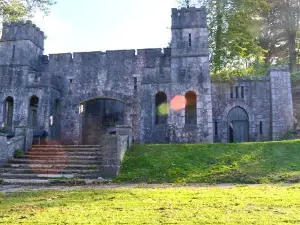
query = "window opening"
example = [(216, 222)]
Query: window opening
[(191, 108), (242, 92), (161, 108), (261, 127), (231, 92), (237, 92), (216, 128), (190, 39), (135, 83)]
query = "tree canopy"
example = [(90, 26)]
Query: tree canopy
[(15, 10), (247, 36)]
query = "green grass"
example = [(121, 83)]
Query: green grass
[(260, 162), (184, 205)]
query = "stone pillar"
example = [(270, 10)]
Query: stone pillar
[(125, 130), (27, 132), (282, 118), (110, 161)]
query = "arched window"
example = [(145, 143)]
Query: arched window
[(33, 110), (161, 108), (191, 108), (8, 112), (238, 125)]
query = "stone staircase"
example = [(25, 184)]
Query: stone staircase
[(55, 164)]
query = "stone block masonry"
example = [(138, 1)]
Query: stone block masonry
[(97, 93)]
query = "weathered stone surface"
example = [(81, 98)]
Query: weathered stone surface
[(65, 82)]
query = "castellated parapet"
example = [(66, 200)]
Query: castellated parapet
[(189, 18), (135, 86), (17, 31)]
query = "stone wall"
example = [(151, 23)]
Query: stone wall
[(256, 102), (9, 147), (281, 102), (134, 77), (113, 150)]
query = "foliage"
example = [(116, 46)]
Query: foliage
[(246, 31), (234, 29), (279, 33), (213, 163), (15, 10), (18, 153), (155, 205)]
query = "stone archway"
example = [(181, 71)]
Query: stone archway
[(100, 116), (238, 125)]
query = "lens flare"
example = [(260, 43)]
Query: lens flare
[(163, 109), (178, 103)]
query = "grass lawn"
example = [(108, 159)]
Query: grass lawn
[(260, 162), (169, 205)]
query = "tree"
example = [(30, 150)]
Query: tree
[(279, 33), (15, 10), (234, 29)]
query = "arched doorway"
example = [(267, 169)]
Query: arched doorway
[(238, 125), (8, 112), (101, 116), (33, 111)]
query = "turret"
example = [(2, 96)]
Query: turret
[(17, 31), (22, 43), (189, 32)]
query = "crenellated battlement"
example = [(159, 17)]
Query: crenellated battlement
[(111, 55), (189, 18), (17, 31)]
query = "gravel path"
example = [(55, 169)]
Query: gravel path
[(16, 188)]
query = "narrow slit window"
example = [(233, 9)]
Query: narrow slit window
[(190, 40), (135, 83), (237, 92), (261, 127), (242, 92), (70, 84), (14, 50), (216, 128), (231, 92)]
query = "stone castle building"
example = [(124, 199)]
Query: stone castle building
[(75, 98)]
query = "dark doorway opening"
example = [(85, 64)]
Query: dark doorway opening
[(101, 116)]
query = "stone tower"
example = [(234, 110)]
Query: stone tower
[(190, 75), (22, 43), (22, 79)]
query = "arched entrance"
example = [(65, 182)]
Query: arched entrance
[(100, 116), (238, 125)]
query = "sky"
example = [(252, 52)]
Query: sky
[(100, 25)]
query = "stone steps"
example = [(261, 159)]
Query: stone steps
[(46, 166), (48, 176), (55, 164), (41, 153), (56, 160), (53, 181), (54, 157), (48, 171)]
